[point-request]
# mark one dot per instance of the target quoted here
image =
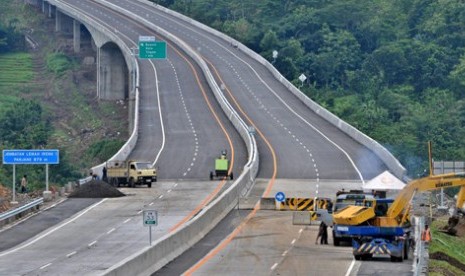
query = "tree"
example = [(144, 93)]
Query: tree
[(339, 53), (23, 126), (269, 41)]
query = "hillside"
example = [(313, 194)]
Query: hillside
[(85, 129)]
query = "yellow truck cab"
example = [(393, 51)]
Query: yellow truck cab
[(131, 173)]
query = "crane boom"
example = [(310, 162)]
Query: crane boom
[(398, 212)]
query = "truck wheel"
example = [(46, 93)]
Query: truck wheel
[(358, 257), (114, 182), (336, 241), (211, 175), (367, 256), (131, 182), (406, 248), (231, 176)]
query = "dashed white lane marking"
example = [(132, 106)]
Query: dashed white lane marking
[(126, 221), (71, 254), (169, 191), (274, 266), (151, 203), (188, 116), (284, 253), (140, 211), (111, 230), (160, 196), (293, 241), (301, 230), (92, 244), (44, 266)]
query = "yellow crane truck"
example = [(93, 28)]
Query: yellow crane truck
[(382, 226), (131, 173)]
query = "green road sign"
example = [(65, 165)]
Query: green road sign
[(152, 49), (150, 217)]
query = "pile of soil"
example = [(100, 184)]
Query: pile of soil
[(96, 189)]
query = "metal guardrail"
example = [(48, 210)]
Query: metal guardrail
[(421, 256), (21, 209)]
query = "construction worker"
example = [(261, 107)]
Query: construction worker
[(426, 234), (322, 234), (24, 184)]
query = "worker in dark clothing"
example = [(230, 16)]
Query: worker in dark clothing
[(323, 233), (104, 174)]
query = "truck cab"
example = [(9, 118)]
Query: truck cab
[(343, 200), (131, 173)]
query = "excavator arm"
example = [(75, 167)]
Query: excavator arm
[(399, 209)]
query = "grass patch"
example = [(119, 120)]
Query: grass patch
[(15, 70), (440, 268), (104, 149), (449, 245), (58, 63)]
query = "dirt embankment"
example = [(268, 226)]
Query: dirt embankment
[(441, 256)]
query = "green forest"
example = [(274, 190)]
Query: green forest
[(394, 69)]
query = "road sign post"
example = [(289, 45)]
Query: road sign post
[(150, 218)]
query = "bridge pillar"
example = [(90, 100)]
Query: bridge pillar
[(77, 36), (50, 11), (112, 73), (44, 6), (63, 23)]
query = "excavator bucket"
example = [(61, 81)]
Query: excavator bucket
[(450, 228)]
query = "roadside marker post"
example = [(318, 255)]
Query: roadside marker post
[(150, 218)]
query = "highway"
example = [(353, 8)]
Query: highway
[(182, 130), (301, 154), (294, 144), (295, 133)]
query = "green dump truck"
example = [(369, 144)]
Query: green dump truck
[(221, 167)]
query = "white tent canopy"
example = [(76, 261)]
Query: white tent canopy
[(384, 181)]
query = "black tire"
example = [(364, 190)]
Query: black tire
[(367, 256), (336, 240), (114, 182), (358, 257), (211, 175), (131, 182), (149, 185), (231, 176), (406, 249)]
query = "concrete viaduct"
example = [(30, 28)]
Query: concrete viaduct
[(116, 67)]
